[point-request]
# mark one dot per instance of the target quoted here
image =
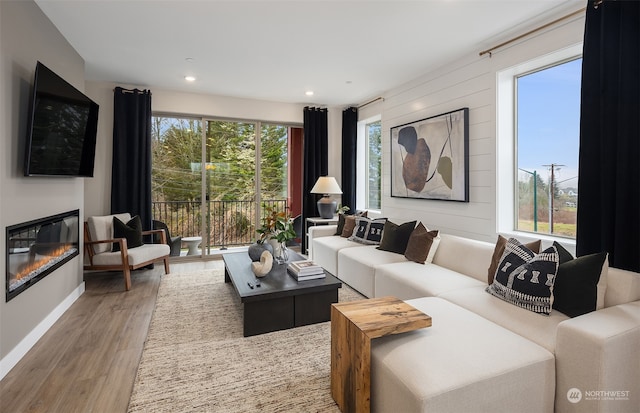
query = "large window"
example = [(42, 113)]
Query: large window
[(547, 133), (538, 109), (369, 186), (210, 178)]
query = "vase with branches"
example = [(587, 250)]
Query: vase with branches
[(277, 228)]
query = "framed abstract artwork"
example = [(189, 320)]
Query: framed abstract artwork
[(430, 158)]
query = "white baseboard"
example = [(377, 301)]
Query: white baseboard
[(10, 360)]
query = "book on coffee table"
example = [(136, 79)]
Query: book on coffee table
[(300, 277), (305, 267)]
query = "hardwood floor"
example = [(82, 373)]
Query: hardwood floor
[(87, 361)]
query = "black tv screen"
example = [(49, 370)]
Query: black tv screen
[(61, 136)]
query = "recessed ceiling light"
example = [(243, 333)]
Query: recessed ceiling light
[(190, 78), (309, 93)]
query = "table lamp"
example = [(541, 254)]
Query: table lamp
[(326, 185)]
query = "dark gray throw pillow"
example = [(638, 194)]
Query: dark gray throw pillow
[(575, 291), (396, 237), (340, 227), (131, 231)]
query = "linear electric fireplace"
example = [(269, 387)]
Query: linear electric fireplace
[(37, 248)]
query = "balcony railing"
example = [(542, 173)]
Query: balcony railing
[(227, 223)]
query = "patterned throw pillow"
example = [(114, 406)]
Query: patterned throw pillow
[(132, 231), (499, 250), (375, 231), (349, 223), (368, 231), (526, 279)]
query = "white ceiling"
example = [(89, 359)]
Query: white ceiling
[(345, 51)]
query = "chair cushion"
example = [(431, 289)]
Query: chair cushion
[(101, 228), (137, 256), (131, 231)]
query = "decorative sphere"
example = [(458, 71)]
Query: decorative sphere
[(255, 250)]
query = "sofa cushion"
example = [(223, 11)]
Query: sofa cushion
[(422, 244), (536, 327), (395, 237), (407, 280), (622, 287), (526, 279), (575, 291), (356, 266), (466, 256), (600, 351), (131, 231), (499, 250), (325, 251), (462, 363)]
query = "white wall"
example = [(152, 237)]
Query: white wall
[(27, 36), (469, 82)]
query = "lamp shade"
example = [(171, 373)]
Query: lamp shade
[(326, 185)]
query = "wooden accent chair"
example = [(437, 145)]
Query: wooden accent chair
[(99, 240)]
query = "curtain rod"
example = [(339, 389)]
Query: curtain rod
[(582, 10), (371, 101), (132, 90)]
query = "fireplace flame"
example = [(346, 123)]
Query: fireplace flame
[(53, 255)]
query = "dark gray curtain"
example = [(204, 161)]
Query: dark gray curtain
[(349, 150), (609, 185), (131, 166), (316, 162)]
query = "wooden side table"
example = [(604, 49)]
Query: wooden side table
[(353, 325)]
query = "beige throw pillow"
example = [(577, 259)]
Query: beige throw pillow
[(349, 225)]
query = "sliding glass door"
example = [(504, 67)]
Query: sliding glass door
[(235, 167), (176, 185)]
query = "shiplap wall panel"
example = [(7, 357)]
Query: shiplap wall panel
[(469, 82)]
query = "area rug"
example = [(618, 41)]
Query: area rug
[(195, 358)]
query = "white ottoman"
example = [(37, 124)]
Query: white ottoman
[(462, 363)]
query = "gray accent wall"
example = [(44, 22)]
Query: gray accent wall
[(26, 36)]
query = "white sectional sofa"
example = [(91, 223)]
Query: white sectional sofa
[(474, 357)]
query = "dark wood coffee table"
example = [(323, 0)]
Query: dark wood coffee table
[(280, 302)]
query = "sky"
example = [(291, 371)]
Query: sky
[(549, 122)]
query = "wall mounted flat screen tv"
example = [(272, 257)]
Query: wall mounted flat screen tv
[(61, 135)]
